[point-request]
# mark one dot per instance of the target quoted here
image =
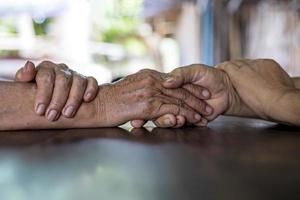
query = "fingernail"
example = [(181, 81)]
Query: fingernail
[(40, 109), (26, 66), (170, 80), (52, 115), (167, 122), (69, 111), (205, 93), (208, 109), (197, 116), (88, 96)]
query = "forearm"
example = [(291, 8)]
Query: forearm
[(17, 111), (296, 81), (239, 109), (284, 108)]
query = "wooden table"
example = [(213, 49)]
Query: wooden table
[(231, 159)]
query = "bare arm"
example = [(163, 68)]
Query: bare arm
[(245, 88), (138, 96), (17, 110), (265, 88)]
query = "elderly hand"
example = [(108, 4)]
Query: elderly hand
[(215, 81), (59, 89), (142, 96)]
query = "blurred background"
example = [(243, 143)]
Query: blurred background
[(109, 39)]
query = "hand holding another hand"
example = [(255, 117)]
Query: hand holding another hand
[(265, 88), (215, 81), (195, 94), (142, 96), (59, 89)]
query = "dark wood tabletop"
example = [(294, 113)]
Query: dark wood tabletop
[(231, 159)]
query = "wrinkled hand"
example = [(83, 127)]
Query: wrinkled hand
[(59, 89), (215, 81), (142, 96)]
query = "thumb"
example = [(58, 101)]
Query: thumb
[(26, 73), (185, 75)]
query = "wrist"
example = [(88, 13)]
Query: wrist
[(236, 106), (234, 102), (100, 105)]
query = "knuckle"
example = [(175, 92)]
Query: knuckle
[(75, 100), (150, 106), (46, 77), (201, 106), (63, 78), (93, 81), (55, 104), (42, 97), (146, 71), (46, 63), (185, 95), (177, 110), (193, 89), (81, 81), (63, 66), (149, 80), (146, 93)]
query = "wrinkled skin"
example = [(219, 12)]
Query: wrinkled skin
[(59, 89), (142, 96), (216, 81), (247, 88)]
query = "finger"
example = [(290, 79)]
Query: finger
[(137, 123), (198, 91), (26, 73), (45, 78), (180, 121), (203, 122), (165, 121), (191, 116), (63, 83), (171, 100), (76, 94), (190, 100), (91, 89), (228, 66), (184, 75)]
